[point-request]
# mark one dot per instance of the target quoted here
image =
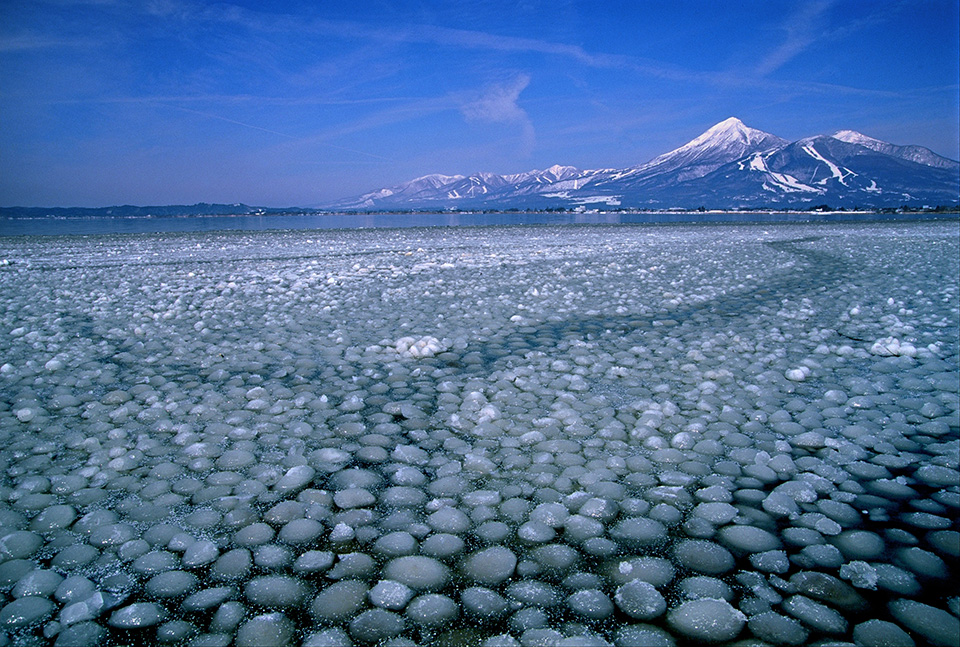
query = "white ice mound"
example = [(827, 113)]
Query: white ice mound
[(417, 348), (893, 347)]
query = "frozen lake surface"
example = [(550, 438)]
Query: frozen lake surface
[(547, 435)]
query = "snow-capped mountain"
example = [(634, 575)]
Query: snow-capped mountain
[(485, 188), (917, 154), (729, 166), (728, 140)]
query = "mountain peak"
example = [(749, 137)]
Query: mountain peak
[(436, 178), (730, 123), (561, 172), (729, 164), (724, 142), (917, 154), (853, 137), (729, 131)]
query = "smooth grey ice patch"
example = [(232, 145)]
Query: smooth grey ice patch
[(276, 591), (483, 603), (356, 497), (20, 544), (25, 611), (403, 496), (330, 637), (171, 584), (640, 600), (432, 610), (946, 542), (295, 479), (881, 632), (923, 563), (352, 566), (155, 561), (417, 572), (232, 566), (643, 634), (701, 586), (388, 594), (490, 566), (376, 625), (396, 544), (449, 519), (747, 539), (535, 532), (934, 624), (716, 512), (42, 582), (313, 561), (85, 610), (74, 588), (300, 531), (200, 553), (559, 557), (255, 534), (442, 545), (591, 604), (55, 517), (207, 598), (779, 629), (703, 556), (339, 601), (139, 614), (83, 634), (706, 620), (828, 588), (267, 629), (815, 614), (770, 561), (174, 631), (638, 532), (658, 571), (227, 617), (860, 544)]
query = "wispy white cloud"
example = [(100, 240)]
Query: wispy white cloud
[(399, 112), (33, 41), (211, 115), (803, 28), (436, 35), (498, 104)]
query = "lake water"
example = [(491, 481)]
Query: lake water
[(98, 226), (602, 434)]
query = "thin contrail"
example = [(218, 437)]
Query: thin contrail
[(267, 130)]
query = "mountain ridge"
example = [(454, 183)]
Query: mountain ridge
[(135, 211), (730, 165)]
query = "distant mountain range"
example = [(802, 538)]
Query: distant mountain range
[(730, 166), (132, 211)]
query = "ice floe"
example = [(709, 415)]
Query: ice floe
[(580, 435)]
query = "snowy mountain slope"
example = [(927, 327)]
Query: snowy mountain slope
[(917, 154), (827, 170), (486, 187), (728, 140), (729, 166), (422, 188)]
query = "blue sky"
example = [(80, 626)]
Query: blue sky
[(300, 103)]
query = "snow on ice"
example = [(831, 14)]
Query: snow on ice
[(579, 435)]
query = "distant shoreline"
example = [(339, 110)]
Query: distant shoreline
[(69, 213)]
